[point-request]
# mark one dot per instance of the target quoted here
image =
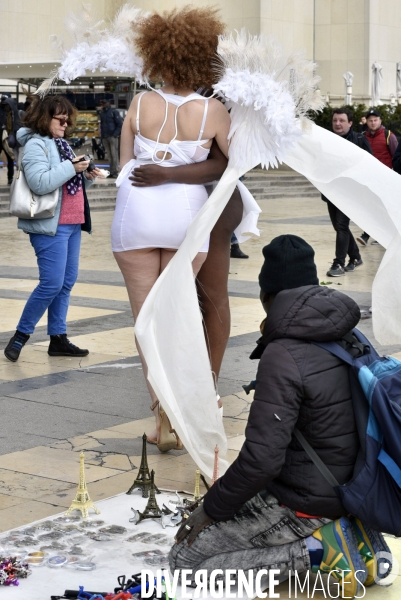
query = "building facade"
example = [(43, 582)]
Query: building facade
[(340, 35)]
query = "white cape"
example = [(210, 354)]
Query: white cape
[(169, 326), (170, 332), (370, 194)]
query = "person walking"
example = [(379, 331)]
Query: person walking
[(384, 145), (110, 130), (50, 164), (345, 242)]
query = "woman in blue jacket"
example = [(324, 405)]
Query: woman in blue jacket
[(48, 164)]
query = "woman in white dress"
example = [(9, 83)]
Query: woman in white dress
[(170, 126)]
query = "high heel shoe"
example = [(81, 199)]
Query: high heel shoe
[(167, 438)]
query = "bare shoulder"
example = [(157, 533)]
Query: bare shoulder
[(134, 103), (216, 107)]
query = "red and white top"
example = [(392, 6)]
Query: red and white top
[(72, 208)]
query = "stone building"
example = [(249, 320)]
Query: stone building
[(340, 35)]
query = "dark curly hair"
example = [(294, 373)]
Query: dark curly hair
[(180, 46), (41, 111)]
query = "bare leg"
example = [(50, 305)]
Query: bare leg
[(212, 282), (140, 269)]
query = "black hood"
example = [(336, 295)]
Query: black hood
[(311, 312)]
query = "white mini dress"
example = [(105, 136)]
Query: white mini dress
[(159, 216)]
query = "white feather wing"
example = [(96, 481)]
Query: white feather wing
[(269, 95), (111, 49)]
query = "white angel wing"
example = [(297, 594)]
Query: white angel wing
[(268, 94), (96, 48)]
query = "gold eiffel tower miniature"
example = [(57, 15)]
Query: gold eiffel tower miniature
[(197, 495), (152, 510), (142, 481), (82, 500), (216, 474)]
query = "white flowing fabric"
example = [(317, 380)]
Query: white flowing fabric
[(170, 332), (169, 326), (370, 194)]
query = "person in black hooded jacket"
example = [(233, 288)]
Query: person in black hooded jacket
[(273, 506)]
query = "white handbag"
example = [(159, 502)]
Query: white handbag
[(27, 205)]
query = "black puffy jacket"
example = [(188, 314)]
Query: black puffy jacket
[(299, 385)]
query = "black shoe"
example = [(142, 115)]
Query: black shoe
[(363, 239), (353, 264), (113, 175), (9, 182), (60, 345), (335, 270), (236, 252), (15, 345)]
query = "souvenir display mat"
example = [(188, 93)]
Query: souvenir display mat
[(88, 541)]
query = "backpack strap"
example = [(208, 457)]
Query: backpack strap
[(360, 345), (327, 474), (387, 134), (337, 350)]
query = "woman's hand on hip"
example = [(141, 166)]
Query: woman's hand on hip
[(148, 175), (80, 167)]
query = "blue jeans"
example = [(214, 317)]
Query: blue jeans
[(58, 259), (261, 535)]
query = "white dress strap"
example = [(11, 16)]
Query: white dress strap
[(155, 159), (203, 120), (137, 111)]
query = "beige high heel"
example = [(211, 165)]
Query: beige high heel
[(167, 438)]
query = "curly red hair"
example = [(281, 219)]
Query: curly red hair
[(180, 46)]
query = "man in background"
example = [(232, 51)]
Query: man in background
[(384, 145), (110, 130), (345, 242)]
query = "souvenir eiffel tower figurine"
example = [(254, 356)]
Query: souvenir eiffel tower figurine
[(82, 500), (142, 482), (152, 510), (216, 474), (197, 495)]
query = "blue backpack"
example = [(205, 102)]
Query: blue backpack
[(374, 493)]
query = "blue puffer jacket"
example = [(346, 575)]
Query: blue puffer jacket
[(44, 173)]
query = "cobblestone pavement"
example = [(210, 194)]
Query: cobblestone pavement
[(52, 408)]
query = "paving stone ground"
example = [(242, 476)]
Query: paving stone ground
[(52, 408)]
